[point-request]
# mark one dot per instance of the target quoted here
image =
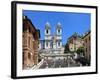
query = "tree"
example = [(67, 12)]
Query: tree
[(80, 50), (66, 50)]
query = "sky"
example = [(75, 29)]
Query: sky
[(71, 22)]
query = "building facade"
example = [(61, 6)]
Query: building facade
[(87, 46), (30, 43), (74, 42), (52, 41)]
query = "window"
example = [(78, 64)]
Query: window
[(29, 41), (29, 55), (89, 38), (47, 31), (86, 40), (58, 30), (74, 38)]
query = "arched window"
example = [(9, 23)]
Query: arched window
[(47, 31), (58, 31)]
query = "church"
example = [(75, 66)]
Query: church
[(52, 42)]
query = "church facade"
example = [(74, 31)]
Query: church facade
[(52, 42)]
